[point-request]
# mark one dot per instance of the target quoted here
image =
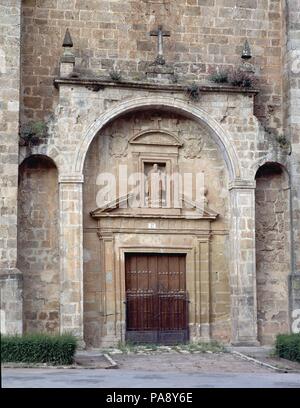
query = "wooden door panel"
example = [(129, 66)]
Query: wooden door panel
[(152, 275), (182, 271), (156, 300), (141, 312), (142, 273), (163, 273), (174, 273)]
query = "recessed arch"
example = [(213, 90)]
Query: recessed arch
[(271, 168), (273, 249), (164, 103), (269, 159), (38, 159), (38, 246)]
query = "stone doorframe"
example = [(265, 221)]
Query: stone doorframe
[(118, 307), (242, 230)]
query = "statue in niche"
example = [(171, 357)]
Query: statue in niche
[(118, 145), (155, 186)]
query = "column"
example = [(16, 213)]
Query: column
[(243, 263), (204, 290), (71, 255), (198, 287), (110, 292)]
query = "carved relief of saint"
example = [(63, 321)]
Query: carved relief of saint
[(118, 145)]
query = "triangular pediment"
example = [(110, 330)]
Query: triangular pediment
[(199, 207), (156, 137), (116, 204)]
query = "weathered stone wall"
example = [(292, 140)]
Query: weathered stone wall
[(291, 88), (10, 278), (273, 254), (205, 34), (38, 244), (11, 290)]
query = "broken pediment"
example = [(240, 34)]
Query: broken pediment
[(156, 137), (124, 207)]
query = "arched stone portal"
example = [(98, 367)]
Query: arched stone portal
[(137, 143), (241, 243), (171, 105)]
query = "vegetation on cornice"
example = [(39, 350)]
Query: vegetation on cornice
[(237, 77), (32, 133)]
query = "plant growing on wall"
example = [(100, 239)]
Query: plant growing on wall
[(283, 141), (219, 77), (243, 79), (32, 133), (115, 74), (193, 92)]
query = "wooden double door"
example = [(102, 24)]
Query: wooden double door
[(156, 298)]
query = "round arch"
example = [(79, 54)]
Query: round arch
[(175, 105), (268, 161), (38, 158)]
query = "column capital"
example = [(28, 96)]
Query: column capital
[(241, 184), (71, 178)]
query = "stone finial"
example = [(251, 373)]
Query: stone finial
[(67, 62), (246, 53), (68, 43)]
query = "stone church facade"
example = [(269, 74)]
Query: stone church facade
[(96, 92)]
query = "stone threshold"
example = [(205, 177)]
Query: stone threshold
[(97, 84)]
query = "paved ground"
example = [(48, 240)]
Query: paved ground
[(168, 370), (203, 363), (86, 378)]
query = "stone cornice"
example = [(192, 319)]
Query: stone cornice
[(99, 84)]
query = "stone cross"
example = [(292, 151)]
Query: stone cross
[(156, 120), (160, 34)]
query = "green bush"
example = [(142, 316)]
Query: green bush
[(38, 348), (288, 346)]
